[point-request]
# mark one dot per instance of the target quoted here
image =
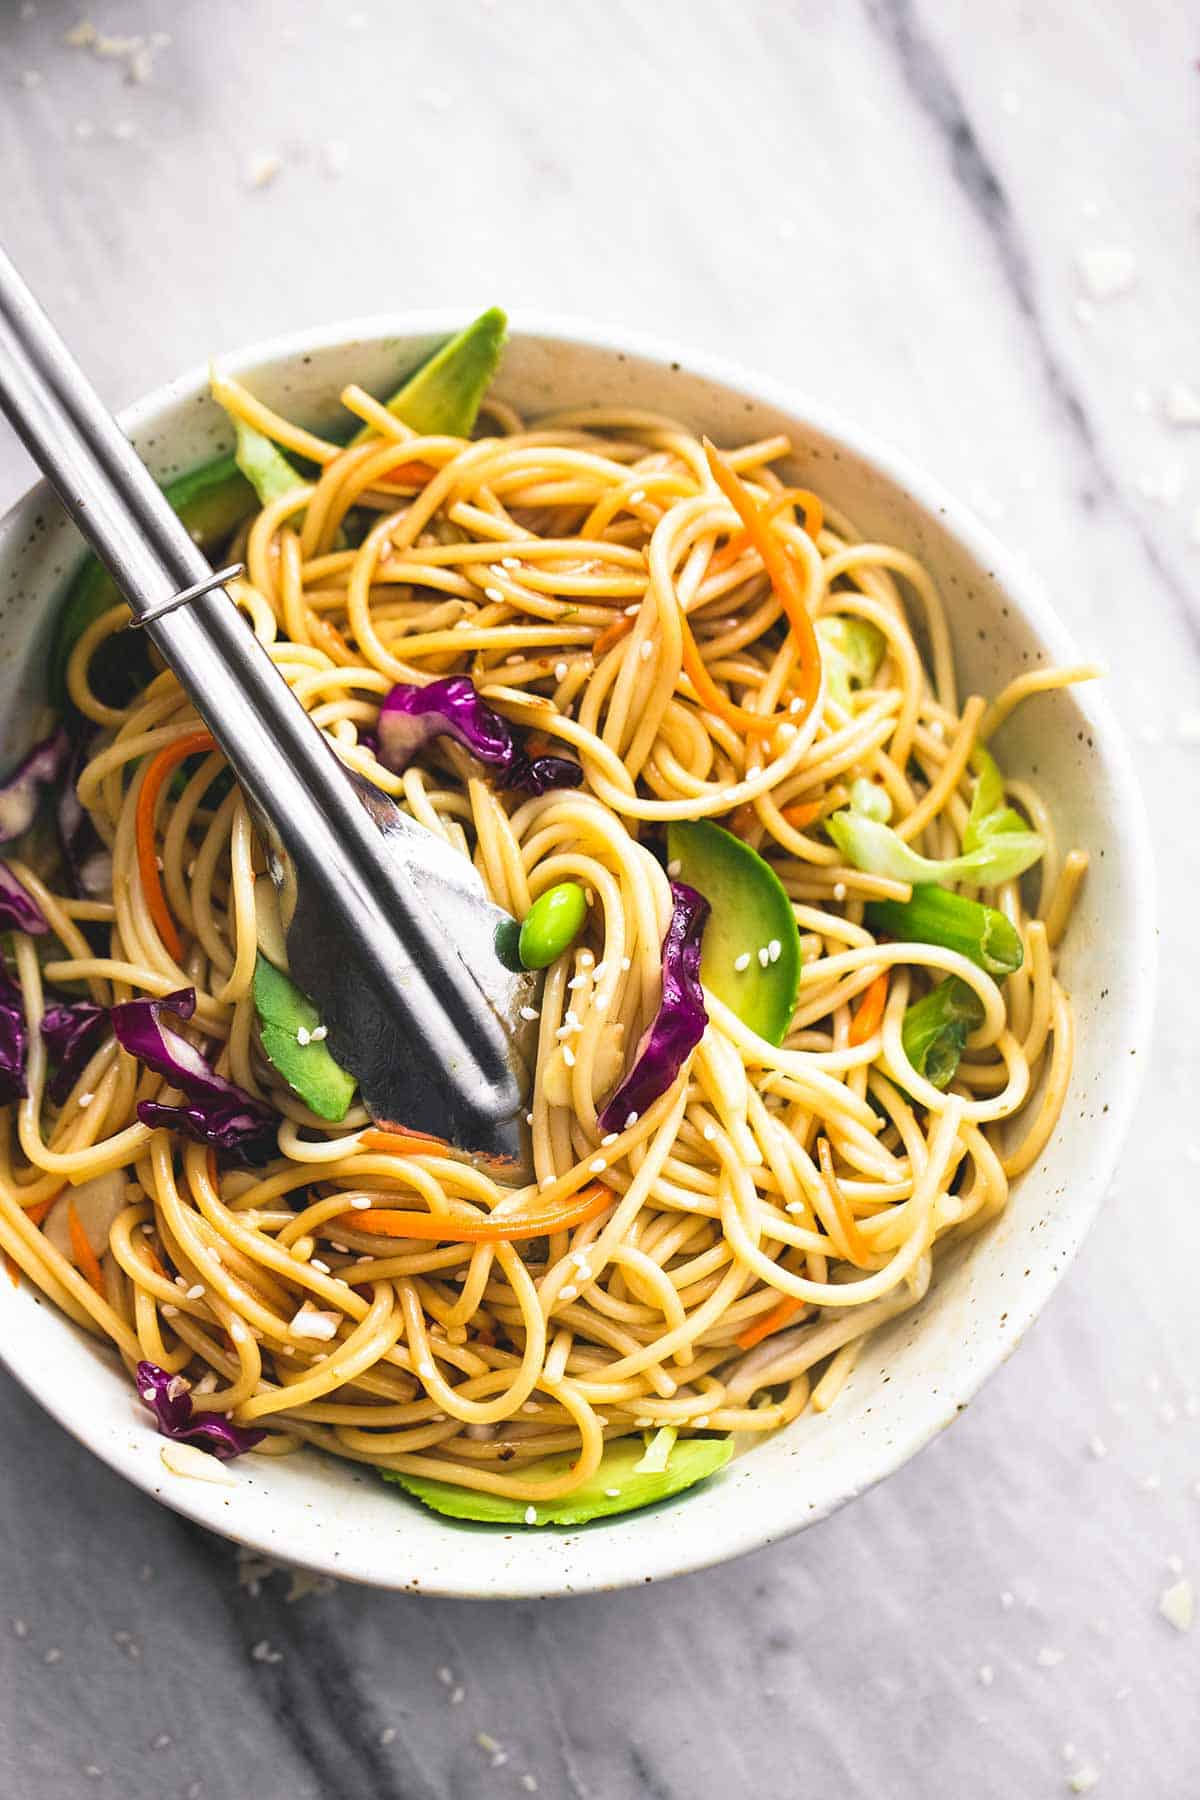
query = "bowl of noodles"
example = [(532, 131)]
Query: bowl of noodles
[(822, 835)]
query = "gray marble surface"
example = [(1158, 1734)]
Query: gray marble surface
[(912, 211)]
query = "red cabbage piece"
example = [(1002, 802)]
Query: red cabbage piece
[(450, 707), (679, 1023), (73, 1031), (13, 1040), (219, 1112), (169, 1398), (19, 911), (88, 861), (20, 793)]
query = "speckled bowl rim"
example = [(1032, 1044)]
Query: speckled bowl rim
[(659, 1555)]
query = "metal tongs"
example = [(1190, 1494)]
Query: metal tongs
[(388, 929)]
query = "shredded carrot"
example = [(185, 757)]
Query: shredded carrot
[(157, 770), (754, 724), (403, 1143), (508, 1229), (798, 817), (409, 474), (14, 1269), (770, 1322), (612, 634), (785, 576), (866, 1020), (809, 504), (37, 1212), (86, 1260), (148, 1256)]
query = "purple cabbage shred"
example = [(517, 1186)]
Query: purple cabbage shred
[(19, 911), (679, 1023), (21, 792), (450, 707), (169, 1398), (73, 1031), (13, 1040), (216, 1112)]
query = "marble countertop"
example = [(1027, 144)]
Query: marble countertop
[(974, 229)]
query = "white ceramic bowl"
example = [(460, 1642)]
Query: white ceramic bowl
[(920, 1372)]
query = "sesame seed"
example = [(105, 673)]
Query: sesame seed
[(839, 890), (52, 1656), (610, 1137), (530, 1519), (700, 1421), (612, 1493), (561, 671), (568, 1293), (568, 1056), (196, 1291), (458, 1696), (360, 1202), (597, 1165), (510, 562), (529, 1012), (86, 1100), (637, 496), (529, 1782), (764, 956), (626, 965), (710, 1132), (742, 962), (578, 981), (600, 970), (20, 1628), (446, 1676), (774, 949), (387, 1735), (303, 1035), (320, 1033), (493, 593), (674, 866), (794, 1206), (631, 1120), (647, 650), (631, 612), (263, 168), (601, 1002), (169, 1312)]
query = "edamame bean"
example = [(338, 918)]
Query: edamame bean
[(552, 924)]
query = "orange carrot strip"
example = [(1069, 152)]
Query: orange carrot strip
[(385, 1222), (800, 816), (612, 634), (782, 569), (37, 1212), (814, 518), (409, 474), (403, 1143), (865, 1022), (770, 1322), (86, 1260), (157, 770), (709, 694)]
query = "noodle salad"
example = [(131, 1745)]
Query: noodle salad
[(800, 1025)]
